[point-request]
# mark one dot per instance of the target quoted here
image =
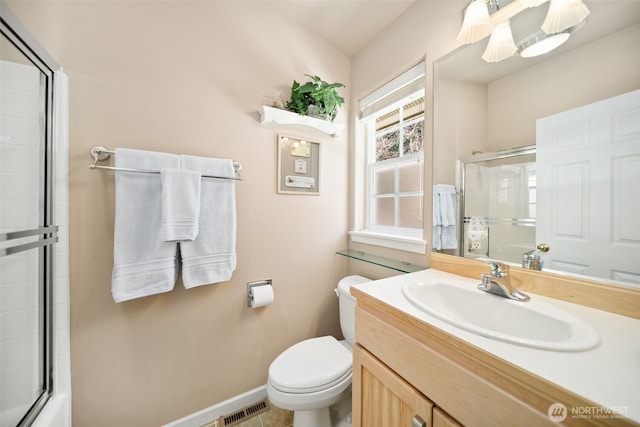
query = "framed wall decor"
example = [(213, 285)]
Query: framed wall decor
[(298, 165)]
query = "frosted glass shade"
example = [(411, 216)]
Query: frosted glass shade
[(476, 24), (542, 43), (532, 3), (564, 14), (501, 44)]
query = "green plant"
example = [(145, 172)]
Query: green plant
[(318, 93)]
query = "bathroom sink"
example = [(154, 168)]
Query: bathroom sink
[(532, 323)]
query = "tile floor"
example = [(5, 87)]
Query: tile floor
[(275, 417)]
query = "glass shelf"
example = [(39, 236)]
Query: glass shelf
[(402, 266)]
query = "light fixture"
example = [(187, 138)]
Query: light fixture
[(476, 24), (564, 14), (501, 44), (541, 43), (532, 3), (484, 17)]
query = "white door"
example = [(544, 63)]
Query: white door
[(588, 189)]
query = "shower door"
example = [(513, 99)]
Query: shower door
[(498, 209), (27, 233)]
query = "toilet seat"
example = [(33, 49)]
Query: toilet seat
[(311, 365)]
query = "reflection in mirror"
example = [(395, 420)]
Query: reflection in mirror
[(498, 204), (488, 108)]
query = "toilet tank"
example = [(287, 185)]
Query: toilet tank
[(348, 306)]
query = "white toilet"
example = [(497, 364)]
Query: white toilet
[(313, 374)]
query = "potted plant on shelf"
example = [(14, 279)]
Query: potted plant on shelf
[(315, 98)]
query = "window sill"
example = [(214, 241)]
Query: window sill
[(409, 244)]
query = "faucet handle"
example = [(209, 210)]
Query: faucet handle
[(498, 269)]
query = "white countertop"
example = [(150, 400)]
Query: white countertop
[(608, 374)]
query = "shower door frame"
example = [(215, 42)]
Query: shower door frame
[(19, 36)]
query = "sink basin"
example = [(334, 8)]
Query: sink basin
[(532, 323)]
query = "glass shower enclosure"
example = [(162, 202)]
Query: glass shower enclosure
[(498, 204), (27, 229)]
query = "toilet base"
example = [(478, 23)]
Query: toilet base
[(312, 418)]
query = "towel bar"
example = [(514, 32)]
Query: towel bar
[(101, 153)]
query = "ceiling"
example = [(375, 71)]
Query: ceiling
[(349, 25)]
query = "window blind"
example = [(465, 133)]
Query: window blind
[(409, 82)]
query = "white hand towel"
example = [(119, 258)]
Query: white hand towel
[(211, 257), (180, 205), (143, 263), (444, 217), (437, 220), (447, 204)]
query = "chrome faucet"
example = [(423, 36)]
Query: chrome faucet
[(499, 282), (532, 259)]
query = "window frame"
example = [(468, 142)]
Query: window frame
[(394, 237), (397, 162)]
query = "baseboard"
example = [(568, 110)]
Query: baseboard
[(211, 413)]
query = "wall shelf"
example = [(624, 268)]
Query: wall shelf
[(285, 117), (402, 266)]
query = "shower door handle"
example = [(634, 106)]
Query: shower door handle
[(49, 237)]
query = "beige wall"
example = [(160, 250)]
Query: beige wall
[(188, 77), (602, 69)]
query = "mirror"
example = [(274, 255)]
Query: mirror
[(482, 108)]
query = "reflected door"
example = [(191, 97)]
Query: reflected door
[(588, 189)]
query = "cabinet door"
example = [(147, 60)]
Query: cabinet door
[(382, 399), (441, 419)]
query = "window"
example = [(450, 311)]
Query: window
[(393, 120), (394, 169)]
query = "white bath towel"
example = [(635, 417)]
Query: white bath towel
[(143, 263), (211, 257), (180, 205)]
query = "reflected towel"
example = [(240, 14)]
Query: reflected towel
[(143, 263), (180, 205), (444, 217), (211, 257)]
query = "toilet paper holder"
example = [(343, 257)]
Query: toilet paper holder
[(264, 282)]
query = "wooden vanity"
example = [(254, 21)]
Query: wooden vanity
[(407, 372)]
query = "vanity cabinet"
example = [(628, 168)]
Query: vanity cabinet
[(385, 399), (442, 419), (405, 367)]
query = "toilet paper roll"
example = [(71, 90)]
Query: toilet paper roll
[(261, 295)]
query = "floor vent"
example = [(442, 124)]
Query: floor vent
[(239, 416)]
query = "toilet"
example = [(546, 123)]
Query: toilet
[(310, 376)]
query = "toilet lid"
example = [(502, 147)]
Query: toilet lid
[(311, 365)]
